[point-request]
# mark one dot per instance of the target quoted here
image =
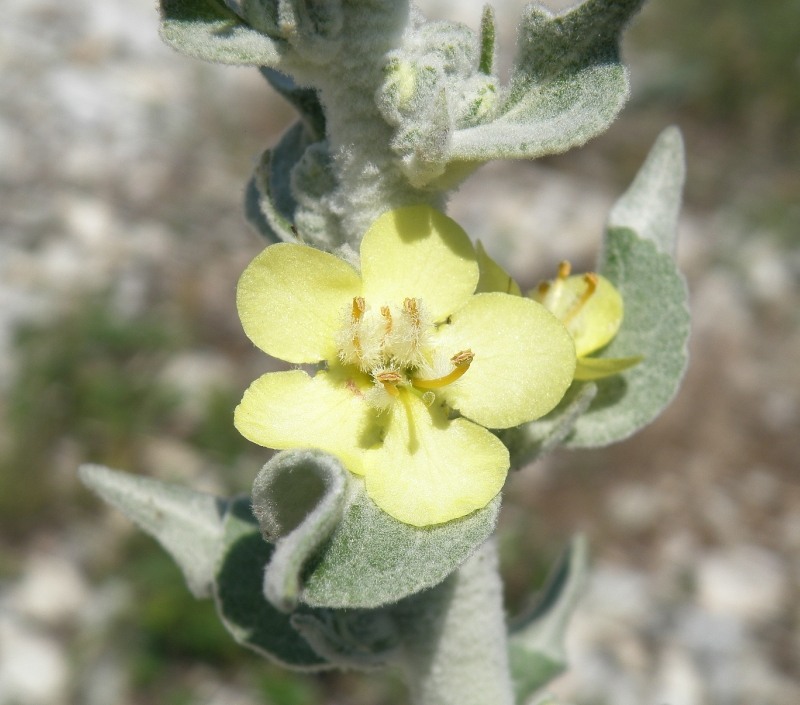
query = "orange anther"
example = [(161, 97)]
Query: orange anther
[(387, 317), (411, 307), (390, 379), (359, 306)]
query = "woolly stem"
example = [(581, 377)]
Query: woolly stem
[(455, 645), (369, 178)]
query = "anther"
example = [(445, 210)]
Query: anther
[(390, 379), (465, 357), (411, 307), (359, 306), (387, 318)]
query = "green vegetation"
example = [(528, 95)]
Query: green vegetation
[(84, 389)]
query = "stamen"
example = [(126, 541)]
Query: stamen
[(548, 293), (465, 357), (591, 286), (390, 379), (359, 306), (461, 362), (387, 317), (411, 307)]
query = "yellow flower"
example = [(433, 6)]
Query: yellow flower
[(591, 308), (416, 365)]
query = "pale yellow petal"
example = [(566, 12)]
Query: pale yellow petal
[(286, 410), (524, 360), (592, 322), (598, 320), (292, 299), (418, 252), (492, 276), (430, 470), (591, 368)]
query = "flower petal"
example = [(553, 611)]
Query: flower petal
[(418, 252), (493, 277), (592, 322), (291, 299), (600, 317), (524, 360), (430, 470), (293, 410)]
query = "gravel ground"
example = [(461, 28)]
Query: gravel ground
[(122, 166)]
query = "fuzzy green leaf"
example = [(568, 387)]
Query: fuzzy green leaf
[(487, 41), (291, 177), (651, 205), (359, 639), (536, 644), (186, 523), (239, 595), (258, 203), (567, 85), (656, 326), (373, 559), (208, 30), (298, 498), (637, 259), (368, 558), (304, 100)]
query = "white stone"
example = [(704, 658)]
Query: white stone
[(768, 270), (744, 581), (198, 372), (634, 507), (33, 669), (90, 221), (52, 590), (167, 457), (678, 679), (619, 594)]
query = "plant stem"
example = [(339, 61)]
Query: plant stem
[(455, 643), (369, 177)]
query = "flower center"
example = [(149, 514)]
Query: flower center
[(395, 346)]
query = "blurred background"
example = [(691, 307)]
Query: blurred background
[(122, 167)]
